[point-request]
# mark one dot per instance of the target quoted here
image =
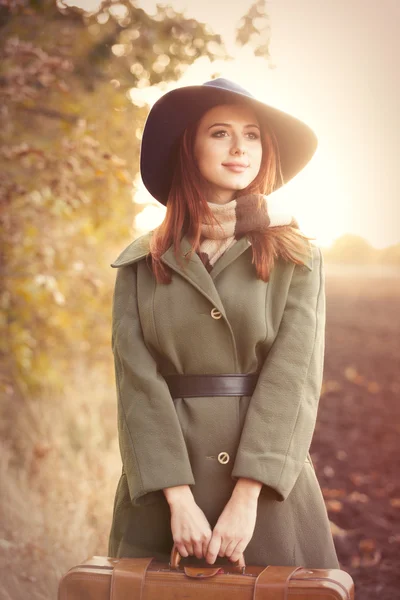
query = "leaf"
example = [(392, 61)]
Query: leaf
[(359, 478), (373, 387), (341, 455), (333, 493), (328, 471), (369, 554), (358, 497), (367, 545), (352, 375), (41, 449), (366, 561), (334, 505)]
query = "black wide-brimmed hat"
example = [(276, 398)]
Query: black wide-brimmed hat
[(175, 110)]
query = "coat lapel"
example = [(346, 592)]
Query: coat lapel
[(229, 256), (194, 271)]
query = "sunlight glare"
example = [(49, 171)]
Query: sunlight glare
[(149, 218)]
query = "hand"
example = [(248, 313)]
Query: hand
[(190, 528), (234, 529)]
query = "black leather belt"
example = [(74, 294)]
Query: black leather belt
[(189, 386)]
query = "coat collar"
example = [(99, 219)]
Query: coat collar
[(136, 250), (194, 268)]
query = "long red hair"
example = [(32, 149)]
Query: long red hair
[(187, 208)]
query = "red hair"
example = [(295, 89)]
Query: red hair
[(187, 208)]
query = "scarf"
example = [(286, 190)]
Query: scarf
[(236, 218)]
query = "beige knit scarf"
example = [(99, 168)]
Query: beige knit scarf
[(236, 218)]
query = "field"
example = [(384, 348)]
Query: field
[(56, 504), (356, 443)]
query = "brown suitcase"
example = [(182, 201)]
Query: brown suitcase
[(102, 578)]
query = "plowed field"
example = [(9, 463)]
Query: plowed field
[(356, 449)]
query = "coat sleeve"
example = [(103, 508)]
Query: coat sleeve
[(280, 420), (153, 450)]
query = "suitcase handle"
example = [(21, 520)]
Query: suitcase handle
[(175, 559)]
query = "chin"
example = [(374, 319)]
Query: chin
[(237, 184), (240, 186)]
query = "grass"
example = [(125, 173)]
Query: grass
[(59, 467)]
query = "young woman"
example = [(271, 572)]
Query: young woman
[(218, 338)]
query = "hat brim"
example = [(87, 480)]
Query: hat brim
[(180, 107)]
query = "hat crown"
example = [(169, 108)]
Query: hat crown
[(226, 84)]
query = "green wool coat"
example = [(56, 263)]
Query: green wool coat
[(277, 327)]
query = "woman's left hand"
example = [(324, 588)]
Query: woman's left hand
[(234, 529)]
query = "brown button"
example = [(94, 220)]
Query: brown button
[(215, 313), (223, 458)]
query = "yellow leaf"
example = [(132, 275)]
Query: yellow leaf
[(334, 505), (373, 387)]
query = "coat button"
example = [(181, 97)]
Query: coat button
[(216, 314), (223, 458)]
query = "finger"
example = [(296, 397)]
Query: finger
[(230, 547), (213, 548), (205, 548), (198, 549), (189, 548), (206, 544), (180, 546), (238, 551), (224, 545)]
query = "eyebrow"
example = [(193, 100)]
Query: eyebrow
[(228, 125)]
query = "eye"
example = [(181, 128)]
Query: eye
[(215, 133), (252, 134)]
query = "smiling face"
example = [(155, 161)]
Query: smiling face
[(228, 150)]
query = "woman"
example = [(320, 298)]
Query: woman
[(218, 338)]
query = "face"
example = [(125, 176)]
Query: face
[(228, 150)]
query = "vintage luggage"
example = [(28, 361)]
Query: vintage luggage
[(102, 578)]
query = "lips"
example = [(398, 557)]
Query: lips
[(236, 167)]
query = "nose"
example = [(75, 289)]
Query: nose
[(238, 144), (238, 149)]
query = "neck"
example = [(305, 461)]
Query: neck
[(222, 198)]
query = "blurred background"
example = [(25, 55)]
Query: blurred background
[(77, 80)]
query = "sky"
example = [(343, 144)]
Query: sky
[(337, 67)]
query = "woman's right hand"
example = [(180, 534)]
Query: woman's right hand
[(190, 528)]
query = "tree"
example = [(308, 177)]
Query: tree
[(69, 150), (350, 248), (254, 29)]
